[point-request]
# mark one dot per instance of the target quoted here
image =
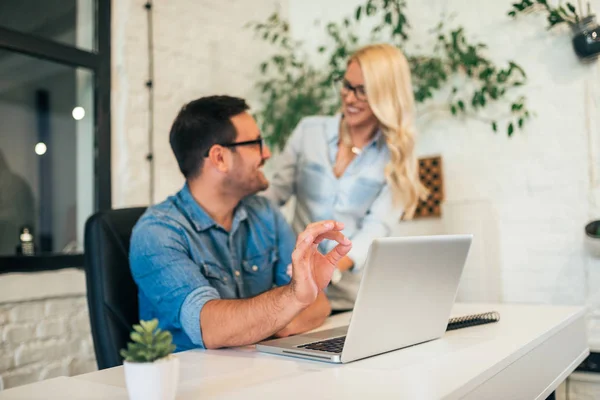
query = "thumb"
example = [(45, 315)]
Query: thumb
[(338, 252)]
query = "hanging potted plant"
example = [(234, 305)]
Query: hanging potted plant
[(151, 371), (592, 234), (585, 28)]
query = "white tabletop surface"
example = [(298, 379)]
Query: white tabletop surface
[(451, 367)]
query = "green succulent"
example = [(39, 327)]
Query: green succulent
[(149, 343)]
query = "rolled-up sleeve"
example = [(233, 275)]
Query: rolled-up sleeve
[(378, 222), (167, 276)]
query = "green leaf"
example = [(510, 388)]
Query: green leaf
[(321, 49), (136, 337), (388, 18), (453, 109), (511, 129), (163, 336), (518, 68), (358, 12), (571, 8), (461, 105), (494, 126), (151, 325), (521, 123)]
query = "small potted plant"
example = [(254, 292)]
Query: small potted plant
[(592, 233), (151, 371)]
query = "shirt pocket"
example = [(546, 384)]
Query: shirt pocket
[(363, 193), (215, 275), (311, 181), (259, 271)]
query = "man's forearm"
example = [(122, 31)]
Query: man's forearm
[(312, 317), (226, 323)]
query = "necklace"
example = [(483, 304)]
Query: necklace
[(356, 150)]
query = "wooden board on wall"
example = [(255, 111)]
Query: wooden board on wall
[(430, 173)]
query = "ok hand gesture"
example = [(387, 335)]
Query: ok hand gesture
[(311, 271)]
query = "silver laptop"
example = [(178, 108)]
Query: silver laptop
[(405, 297)]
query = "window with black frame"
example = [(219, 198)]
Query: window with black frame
[(54, 128)]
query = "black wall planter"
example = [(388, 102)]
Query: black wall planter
[(586, 38), (592, 238), (593, 229)]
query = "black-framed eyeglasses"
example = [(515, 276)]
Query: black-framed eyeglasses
[(260, 142), (359, 90)]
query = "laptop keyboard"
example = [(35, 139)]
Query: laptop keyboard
[(334, 345)]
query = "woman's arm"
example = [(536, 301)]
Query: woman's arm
[(283, 183)]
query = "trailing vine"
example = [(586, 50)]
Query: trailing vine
[(292, 86)]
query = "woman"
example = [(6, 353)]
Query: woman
[(358, 167)]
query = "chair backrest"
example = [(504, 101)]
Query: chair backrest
[(112, 294)]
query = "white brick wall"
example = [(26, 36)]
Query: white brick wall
[(43, 339), (201, 48)]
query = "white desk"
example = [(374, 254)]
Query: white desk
[(524, 356)]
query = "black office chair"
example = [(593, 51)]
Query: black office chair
[(111, 291)]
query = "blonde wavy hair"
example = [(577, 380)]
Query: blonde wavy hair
[(390, 96)]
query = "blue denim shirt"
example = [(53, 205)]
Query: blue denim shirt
[(181, 258)]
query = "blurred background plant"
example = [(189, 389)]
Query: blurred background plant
[(556, 15), (585, 28), (292, 87)]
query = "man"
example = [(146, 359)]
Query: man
[(207, 259)]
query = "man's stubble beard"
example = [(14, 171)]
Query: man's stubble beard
[(243, 187)]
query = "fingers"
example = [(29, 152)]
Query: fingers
[(317, 228), (312, 231), (333, 235), (338, 252)]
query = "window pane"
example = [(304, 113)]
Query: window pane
[(46, 154), (69, 22)]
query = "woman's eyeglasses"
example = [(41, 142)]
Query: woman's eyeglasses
[(359, 90), (260, 142)]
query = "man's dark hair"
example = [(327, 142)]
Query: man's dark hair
[(201, 124)]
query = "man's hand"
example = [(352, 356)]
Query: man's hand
[(311, 271)]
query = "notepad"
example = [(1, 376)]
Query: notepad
[(473, 320)]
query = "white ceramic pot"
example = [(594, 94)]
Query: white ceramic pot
[(152, 381)]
